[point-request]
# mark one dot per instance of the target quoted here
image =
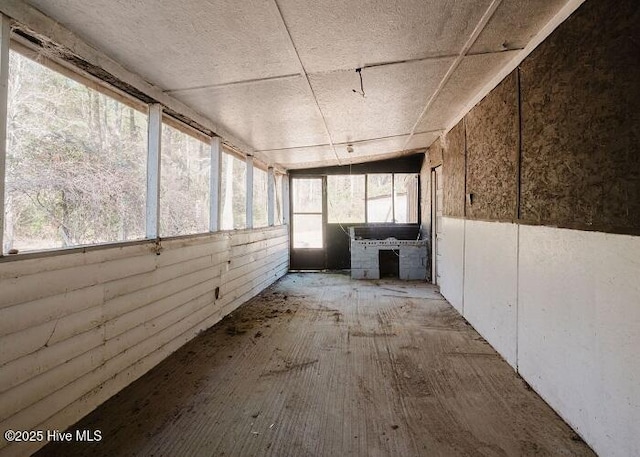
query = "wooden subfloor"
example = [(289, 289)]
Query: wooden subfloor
[(321, 365)]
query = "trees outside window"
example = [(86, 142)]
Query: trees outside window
[(346, 198), (184, 183), (76, 162), (260, 198), (233, 192)]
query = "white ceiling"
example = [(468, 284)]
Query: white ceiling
[(280, 74)]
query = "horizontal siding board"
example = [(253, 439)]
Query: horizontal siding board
[(56, 261), (39, 285), (37, 388), (24, 368), (33, 313), (131, 284), (156, 316), (110, 315), (172, 256), (26, 341), (124, 304)]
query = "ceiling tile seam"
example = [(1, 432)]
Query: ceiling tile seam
[(544, 32), (232, 83), (348, 142), (45, 29), (488, 14), (297, 75), (384, 64), (306, 77)]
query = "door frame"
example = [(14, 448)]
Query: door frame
[(308, 258), (434, 223)]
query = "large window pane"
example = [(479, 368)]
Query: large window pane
[(307, 195), (260, 198), (76, 162), (184, 184), (233, 195), (307, 230), (406, 197), (345, 198), (380, 198)]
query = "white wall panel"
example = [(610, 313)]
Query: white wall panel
[(86, 324), (452, 251), (490, 291), (579, 334)]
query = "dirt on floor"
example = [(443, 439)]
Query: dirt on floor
[(322, 365)]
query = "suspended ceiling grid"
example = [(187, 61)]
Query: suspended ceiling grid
[(280, 74)]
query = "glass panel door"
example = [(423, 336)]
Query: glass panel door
[(308, 224)]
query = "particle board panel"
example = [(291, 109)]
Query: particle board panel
[(453, 170), (492, 154), (468, 79), (580, 117), (434, 153)]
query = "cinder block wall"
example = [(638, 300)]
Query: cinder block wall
[(76, 328), (544, 260)]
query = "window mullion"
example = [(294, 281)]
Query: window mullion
[(153, 170), (214, 180), (5, 29)]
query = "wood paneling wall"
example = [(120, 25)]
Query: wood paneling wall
[(77, 328)]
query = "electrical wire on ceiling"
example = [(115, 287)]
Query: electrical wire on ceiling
[(361, 91)]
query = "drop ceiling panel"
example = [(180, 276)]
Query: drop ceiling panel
[(394, 98), (182, 44), (338, 34), (514, 23), (473, 73), (271, 114)]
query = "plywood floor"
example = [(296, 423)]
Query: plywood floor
[(320, 365)]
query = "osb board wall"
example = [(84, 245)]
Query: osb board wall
[(492, 155), (453, 161), (580, 95), (434, 153), (556, 142)]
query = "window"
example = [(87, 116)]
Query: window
[(346, 198), (76, 161), (380, 198), (184, 183), (260, 198), (406, 197), (233, 179), (307, 213)]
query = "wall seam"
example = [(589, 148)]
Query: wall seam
[(518, 213)]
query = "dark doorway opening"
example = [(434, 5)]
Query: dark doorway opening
[(389, 261)]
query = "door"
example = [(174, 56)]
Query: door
[(307, 223), (437, 197)]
